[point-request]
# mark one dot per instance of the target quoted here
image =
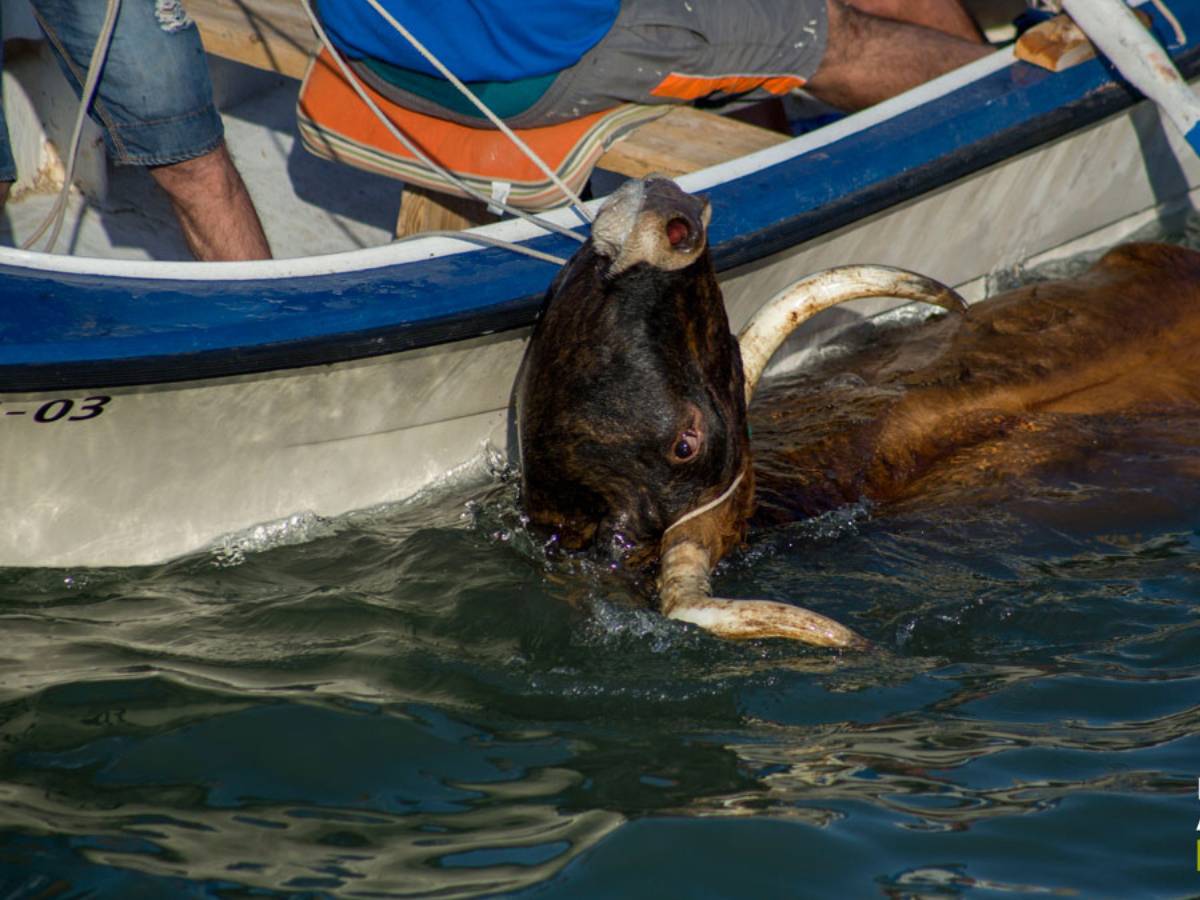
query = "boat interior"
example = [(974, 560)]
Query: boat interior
[(258, 52)]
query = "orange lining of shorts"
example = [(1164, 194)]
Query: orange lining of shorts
[(693, 87)]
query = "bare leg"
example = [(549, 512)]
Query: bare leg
[(941, 15), (4, 188), (869, 59), (215, 211)]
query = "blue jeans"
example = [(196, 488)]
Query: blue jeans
[(154, 98), (8, 166)]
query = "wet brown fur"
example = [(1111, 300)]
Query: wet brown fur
[(1005, 390), (627, 353)]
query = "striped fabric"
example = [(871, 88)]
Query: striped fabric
[(335, 124)]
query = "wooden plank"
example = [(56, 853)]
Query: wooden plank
[(268, 34), (423, 210), (684, 140), (1059, 43), (1055, 44)]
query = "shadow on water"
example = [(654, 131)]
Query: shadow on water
[(422, 701)]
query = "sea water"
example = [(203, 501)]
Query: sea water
[(422, 702)]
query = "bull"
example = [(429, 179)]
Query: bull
[(633, 394)]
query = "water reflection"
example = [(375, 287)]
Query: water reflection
[(912, 769), (291, 796), (501, 847)]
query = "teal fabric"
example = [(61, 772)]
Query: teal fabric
[(504, 98)]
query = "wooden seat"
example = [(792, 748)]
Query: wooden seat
[(276, 35)]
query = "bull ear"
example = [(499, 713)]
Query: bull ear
[(796, 304)]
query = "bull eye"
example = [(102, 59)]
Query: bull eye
[(678, 231), (686, 445)]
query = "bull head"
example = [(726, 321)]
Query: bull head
[(632, 403)]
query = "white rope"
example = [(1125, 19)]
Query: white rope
[(701, 510), (576, 203), (417, 152), (59, 211), (488, 241)]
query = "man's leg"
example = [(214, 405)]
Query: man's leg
[(8, 166), (941, 15), (869, 59), (155, 103), (215, 211)]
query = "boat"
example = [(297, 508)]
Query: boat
[(153, 408)]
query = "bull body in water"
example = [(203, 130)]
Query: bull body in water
[(632, 402)]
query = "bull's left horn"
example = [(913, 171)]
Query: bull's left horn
[(791, 307), (686, 595)]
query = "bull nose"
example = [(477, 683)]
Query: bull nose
[(652, 221), (665, 197)]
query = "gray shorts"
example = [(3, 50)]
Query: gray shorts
[(674, 51)]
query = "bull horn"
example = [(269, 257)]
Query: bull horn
[(794, 305), (686, 595)]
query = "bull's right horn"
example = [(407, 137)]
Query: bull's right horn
[(685, 595), (787, 310)]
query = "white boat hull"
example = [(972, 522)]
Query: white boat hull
[(164, 471)]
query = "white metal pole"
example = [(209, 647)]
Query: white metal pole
[(1117, 32)]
